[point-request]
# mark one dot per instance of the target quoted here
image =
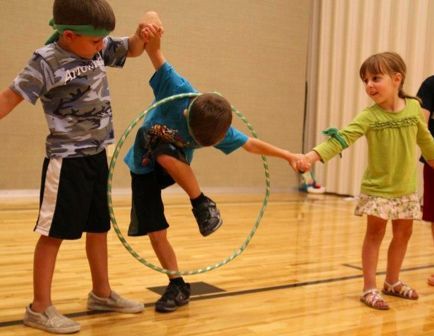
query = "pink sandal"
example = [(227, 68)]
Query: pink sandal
[(373, 299), (400, 289)]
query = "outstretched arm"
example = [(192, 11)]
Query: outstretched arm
[(257, 146), (305, 163), (8, 100), (153, 46), (312, 157), (154, 52), (149, 27)]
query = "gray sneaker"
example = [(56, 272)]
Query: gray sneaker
[(207, 216), (113, 303), (50, 320)]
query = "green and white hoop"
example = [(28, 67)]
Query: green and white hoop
[(116, 152)]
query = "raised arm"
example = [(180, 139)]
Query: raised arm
[(257, 146), (8, 100), (153, 47), (154, 52), (149, 27)]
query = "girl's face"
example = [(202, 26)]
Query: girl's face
[(382, 88)]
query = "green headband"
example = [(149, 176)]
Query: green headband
[(87, 30)]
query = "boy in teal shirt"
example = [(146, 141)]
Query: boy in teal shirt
[(161, 156)]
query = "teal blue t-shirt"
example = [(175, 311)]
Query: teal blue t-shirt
[(167, 82)]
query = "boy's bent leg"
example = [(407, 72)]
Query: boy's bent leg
[(204, 209), (181, 172), (101, 297)]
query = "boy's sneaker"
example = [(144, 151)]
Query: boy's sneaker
[(50, 320), (207, 216), (114, 303), (173, 297)]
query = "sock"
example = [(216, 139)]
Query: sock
[(178, 281), (199, 199)]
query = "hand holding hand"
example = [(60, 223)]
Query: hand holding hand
[(300, 163), (147, 32), (150, 27), (303, 164)]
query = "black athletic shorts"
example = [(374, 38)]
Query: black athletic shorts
[(73, 197), (147, 210)]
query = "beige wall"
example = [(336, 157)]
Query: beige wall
[(252, 51)]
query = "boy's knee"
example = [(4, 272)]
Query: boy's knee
[(47, 240), (166, 160), (158, 237)]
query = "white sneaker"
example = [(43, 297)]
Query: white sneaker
[(113, 303), (50, 320)]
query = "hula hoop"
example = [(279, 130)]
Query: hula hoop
[(118, 147)]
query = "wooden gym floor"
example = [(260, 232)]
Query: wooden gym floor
[(300, 275)]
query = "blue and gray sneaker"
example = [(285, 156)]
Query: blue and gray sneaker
[(207, 217)]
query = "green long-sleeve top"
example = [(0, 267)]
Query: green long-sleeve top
[(392, 139)]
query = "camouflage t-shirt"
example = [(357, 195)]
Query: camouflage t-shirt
[(75, 96)]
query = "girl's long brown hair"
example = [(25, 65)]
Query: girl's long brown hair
[(388, 63)]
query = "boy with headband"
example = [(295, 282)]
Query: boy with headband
[(68, 75)]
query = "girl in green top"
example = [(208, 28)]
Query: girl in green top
[(393, 126)]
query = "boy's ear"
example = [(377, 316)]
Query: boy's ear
[(68, 35)]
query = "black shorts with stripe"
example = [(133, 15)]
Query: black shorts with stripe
[(147, 211), (73, 197)]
